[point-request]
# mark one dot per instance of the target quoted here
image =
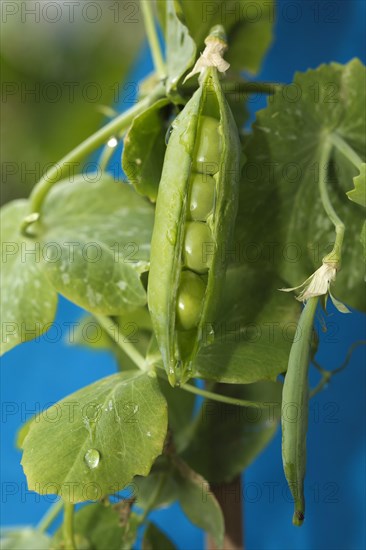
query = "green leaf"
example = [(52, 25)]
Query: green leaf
[(197, 501), (97, 524), (155, 539), (28, 301), (93, 442), (226, 438), (280, 201), (172, 479), (158, 489), (96, 243), (358, 194), (23, 432), (180, 48), (248, 25), (130, 531), (253, 332), (144, 149), (23, 538)]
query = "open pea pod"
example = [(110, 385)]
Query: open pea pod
[(195, 215)]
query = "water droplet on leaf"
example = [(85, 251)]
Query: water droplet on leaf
[(92, 458)]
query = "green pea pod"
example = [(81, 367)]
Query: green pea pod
[(195, 215), (295, 409)]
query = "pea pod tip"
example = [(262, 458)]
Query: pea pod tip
[(298, 518)]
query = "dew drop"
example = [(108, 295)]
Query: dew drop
[(92, 458), (113, 142), (172, 236), (168, 134)]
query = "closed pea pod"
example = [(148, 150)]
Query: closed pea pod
[(195, 214), (295, 409)]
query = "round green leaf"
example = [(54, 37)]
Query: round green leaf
[(96, 243), (95, 441), (280, 200), (28, 300)]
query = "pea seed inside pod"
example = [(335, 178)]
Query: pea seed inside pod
[(191, 293), (207, 154), (198, 247), (202, 197)]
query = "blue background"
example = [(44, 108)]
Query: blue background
[(39, 373)]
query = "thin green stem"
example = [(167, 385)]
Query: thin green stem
[(113, 330), (50, 516), (346, 150), (68, 527), (152, 36), (105, 156), (335, 255), (223, 398), (72, 159)]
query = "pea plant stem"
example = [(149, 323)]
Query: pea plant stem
[(152, 36), (68, 527), (113, 331), (50, 516), (335, 255), (105, 157), (94, 141), (346, 150), (223, 398)]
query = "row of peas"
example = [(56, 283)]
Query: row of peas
[(198, 236)]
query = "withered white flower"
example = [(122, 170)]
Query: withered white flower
[(211, 57), (318, 284)]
